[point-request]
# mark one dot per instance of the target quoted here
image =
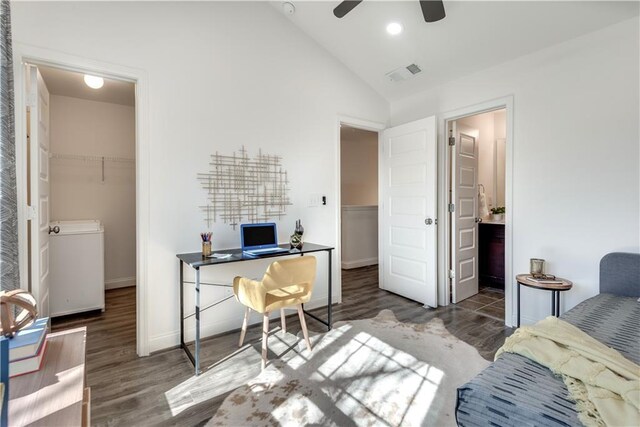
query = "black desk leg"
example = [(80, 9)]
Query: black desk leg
[(557, 303), (518, 298), (329, 308), (197, 355), (183, 345), (329, 292), (181, 284), (553, 303)]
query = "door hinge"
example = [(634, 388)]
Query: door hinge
[(31, 212), (452, 274), (32, 100), (452, 207), (452, 140)]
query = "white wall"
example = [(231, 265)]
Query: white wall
[(91, 128), (359, 236), (221, 75), (483, 124), (576, 186), (358, 167)]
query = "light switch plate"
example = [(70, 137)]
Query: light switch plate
[(315, 200)]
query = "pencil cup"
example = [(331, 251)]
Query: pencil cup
[(206, 248), (536, 266)]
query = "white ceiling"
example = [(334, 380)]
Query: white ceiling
[(68, 83), (475, 35)]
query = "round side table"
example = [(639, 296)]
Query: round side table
[(555, 288)]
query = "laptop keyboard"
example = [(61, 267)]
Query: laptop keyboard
[(265, 251)]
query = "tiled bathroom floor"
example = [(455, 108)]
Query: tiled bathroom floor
[(488, 301)]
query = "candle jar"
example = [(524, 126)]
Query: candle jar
[(536, 266), (206, 248)]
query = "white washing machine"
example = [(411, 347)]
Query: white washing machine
[(76, 267)]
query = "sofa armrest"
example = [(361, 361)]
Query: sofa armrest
[(620, 274)]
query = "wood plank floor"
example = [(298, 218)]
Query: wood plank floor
[(489, 301), (161, 389)]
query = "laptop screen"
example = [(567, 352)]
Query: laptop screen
[(258, 236)]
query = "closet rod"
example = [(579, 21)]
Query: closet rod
[(89, 158)]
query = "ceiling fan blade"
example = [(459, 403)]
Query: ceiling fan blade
[(345, 7), (432, 10)]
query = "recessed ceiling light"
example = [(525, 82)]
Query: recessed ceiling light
[(394, 28), (93, 82)]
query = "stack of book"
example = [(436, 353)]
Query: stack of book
[(545, 280), (27, 347)]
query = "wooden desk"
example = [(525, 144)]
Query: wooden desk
[(555, 288), (54, 395), (196, 261)]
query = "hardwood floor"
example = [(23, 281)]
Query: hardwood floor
[(489, 302), (161, 389)]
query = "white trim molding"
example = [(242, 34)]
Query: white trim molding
[(347, 265), (122, 282), (360, 241), (40, 56), (444, 285)]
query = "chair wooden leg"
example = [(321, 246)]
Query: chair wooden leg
[(245, 323), (265, 337), (283, 321), (303, 323)]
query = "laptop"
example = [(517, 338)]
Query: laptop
[(260, 239)]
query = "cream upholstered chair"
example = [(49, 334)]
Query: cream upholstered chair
[(286, 283)]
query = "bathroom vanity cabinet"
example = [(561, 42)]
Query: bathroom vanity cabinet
[(491, 254)]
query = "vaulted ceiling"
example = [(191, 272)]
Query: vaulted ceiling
[(475, 35)]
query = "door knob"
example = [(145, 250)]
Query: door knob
[(478, 219), (428, 221), (55, 229)]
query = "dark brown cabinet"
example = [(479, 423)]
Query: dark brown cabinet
[(491, 254)]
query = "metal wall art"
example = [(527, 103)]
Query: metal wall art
[(245, 189)]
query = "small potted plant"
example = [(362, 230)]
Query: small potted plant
[(497, 213)]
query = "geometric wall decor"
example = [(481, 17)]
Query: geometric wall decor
[(244, 189)]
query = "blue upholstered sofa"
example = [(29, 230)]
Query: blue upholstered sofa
[(515, 391)]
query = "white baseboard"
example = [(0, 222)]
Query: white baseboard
[(122, 282), (346, 265), (172, 339)]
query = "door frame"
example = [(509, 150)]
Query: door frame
[(444, 169), (22, 54), (358, 124)]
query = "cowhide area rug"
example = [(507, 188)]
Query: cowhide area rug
[(365, 372)]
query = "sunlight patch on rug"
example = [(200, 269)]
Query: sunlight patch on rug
[(365, 372), (226, 374)]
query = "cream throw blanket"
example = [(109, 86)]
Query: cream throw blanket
[(604, 384)]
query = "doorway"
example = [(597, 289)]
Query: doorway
[(477, 211), (81, 188), (358, 200)]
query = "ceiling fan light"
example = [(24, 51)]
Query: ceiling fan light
[(394, 28), (94, 82)]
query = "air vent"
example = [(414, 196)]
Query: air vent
[(403, 73), (413, 69)]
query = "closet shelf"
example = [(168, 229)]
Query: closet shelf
[(90, 158)]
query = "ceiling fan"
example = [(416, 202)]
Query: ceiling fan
[(432, 10)]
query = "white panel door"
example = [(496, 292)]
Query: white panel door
[(408, 211), (464, 237), (39, 181)]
